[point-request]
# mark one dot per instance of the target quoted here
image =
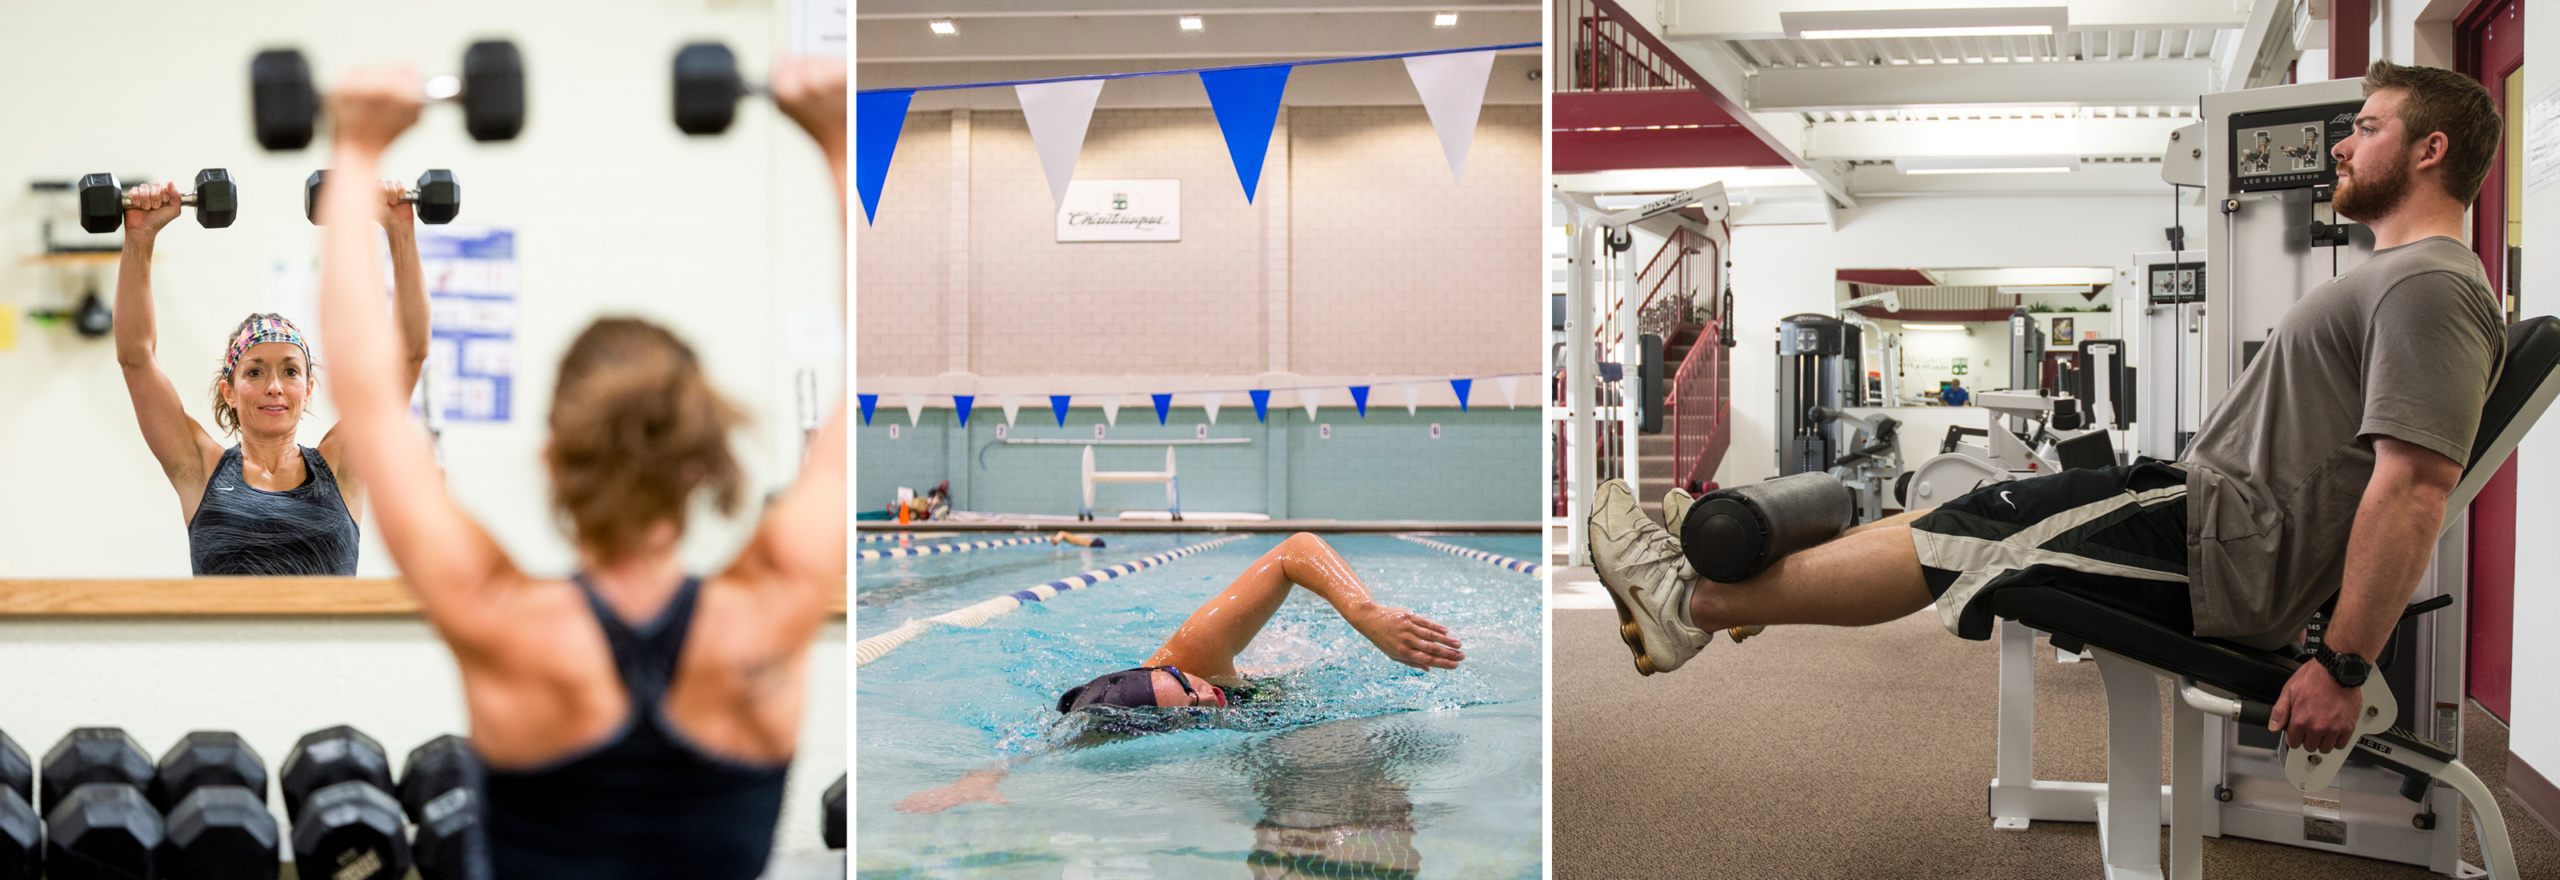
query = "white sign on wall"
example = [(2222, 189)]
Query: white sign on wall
[(1121, 210)]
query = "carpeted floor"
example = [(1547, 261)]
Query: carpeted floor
[(1826, 752)]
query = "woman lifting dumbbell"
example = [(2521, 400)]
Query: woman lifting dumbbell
[(635, 721), (267, 505)]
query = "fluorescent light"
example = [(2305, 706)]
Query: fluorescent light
[(2044, 288), (2036, 170), (943, 26), (2021, 30), (1986, 164), (1191, 22), (1933, 326), (1444, 19)]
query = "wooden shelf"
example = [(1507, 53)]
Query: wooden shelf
[(216, 597), (77, 257)]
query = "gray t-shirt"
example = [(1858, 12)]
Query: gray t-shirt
[(2406, 345)]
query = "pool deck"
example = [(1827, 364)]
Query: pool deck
[(1053, 524)]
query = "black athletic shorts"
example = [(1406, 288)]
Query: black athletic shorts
[(2117, 535)]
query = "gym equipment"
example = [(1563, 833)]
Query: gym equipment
[(102, 200), (93, 754), (21, 838), (102, 831), (326, 757), (16, 774), (220, 832), (351, 831), (207, 757), (2028, 432), (707, 88), (1821, 377), (441, 787), (437, 195), (831, 818), (1743, 529), (1172, 484), (491, 91), (2397, 792)]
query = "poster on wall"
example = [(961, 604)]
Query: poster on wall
[(471, 294), (2062, 333), (1121, 210)]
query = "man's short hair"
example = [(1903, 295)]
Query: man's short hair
[(2438, 100)]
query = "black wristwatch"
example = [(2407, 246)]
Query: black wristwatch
[(2348, 669)]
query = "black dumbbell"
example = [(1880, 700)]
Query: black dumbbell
[(213, 789), (21, 838), (438, 196), (102, 831), (92, 754), (16, 774), (831, 824), (490, 89), (103, 200), (708, 88), (441, 787), (323, 758), (351, 831)]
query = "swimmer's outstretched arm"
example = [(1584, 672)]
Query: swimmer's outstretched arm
[(797, 556), (975, 787), (1207, 644)]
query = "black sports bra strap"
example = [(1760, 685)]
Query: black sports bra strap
[(645, 655)]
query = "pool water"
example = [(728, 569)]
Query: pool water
[(1355, 766)]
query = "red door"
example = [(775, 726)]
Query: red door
[(2489, 45)]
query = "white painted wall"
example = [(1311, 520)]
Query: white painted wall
[(273, 680), (2534, 734), (1781, 270), (616, 213)]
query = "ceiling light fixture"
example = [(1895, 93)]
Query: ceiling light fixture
[(1987, 164), (943, 26), (1191, 22), (1444, 19), (1933, 326), (1916, 23), (2026, 170)]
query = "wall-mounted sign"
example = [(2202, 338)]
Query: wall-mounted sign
[(1121, 210)]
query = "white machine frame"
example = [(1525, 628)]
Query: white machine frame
[(1169, 477)]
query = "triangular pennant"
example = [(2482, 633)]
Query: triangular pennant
[(915, 409), (1460, 386), (869, 402), (960, 404), (1058, 404), (1261, 404), (1164, 407), (877, 119), (1452, 88), (1246, 101), (1111, 410), (1360, 399), (1012, 404), (1057, 113), (1412, 395), (1307, 398), (1510, 390), (1210, 402)]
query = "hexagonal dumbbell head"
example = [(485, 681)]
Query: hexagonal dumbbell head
[(281, 99), (439, 196), (21, 839), (327, 757), (217, 198), (707, 88), (16, 772), (102, 831), (101, 203), (207, 757), (440, 788), (492, 90), (439, 766), (220, 832), (351, 831), (92, 754), (831, 823)]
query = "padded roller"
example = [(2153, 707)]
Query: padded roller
[(1741, 530)]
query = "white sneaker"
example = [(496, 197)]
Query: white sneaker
[(1647, 577), (1675, 507)]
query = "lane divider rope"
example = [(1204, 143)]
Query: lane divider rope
[(937, 549), (1529, 568), (886, 537), (873, 648)]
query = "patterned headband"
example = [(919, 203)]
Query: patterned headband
[(267, 329)]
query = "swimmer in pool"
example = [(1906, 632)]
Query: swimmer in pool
[(1196, 667), (1093, 541)]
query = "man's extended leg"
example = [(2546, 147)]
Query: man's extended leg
[(1206, 645)]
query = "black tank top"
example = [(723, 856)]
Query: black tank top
[(644, 803), (241, 529)]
